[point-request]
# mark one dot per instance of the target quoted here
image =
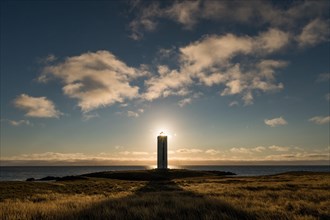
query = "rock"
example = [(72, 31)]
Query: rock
[(48, 178), (71, 178)]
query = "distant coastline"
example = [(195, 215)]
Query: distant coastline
[(21, 173)]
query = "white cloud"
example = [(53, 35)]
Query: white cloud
[(212, 151), (135, 114), (184, 102), (188, 151), (275, 122), (49, 156), (278, 148), (163, 70), (145, 20), (240, 150), (123, 105), (320, 120), (184, 12), (212, 79), (188, 156), (118, 147), (209, 62), (188, 100), (87, 117), (233, 87), (261, 12), (259, 149), (260, 77), (96, 79), (327, 97), (39, 107), (167, 53), (18, 122), (139, 153), (76, 157), (100, 79), (254, 13), (48, 59), (317, 31), (125, 152), (132, 114), (323, 77), (233, 103), (245, 150), (305, 156), (272, 40), (267, 67), (214, 50), (166, 83)]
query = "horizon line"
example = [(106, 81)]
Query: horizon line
[(172, 163)]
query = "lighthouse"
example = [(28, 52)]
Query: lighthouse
[(162, 151)]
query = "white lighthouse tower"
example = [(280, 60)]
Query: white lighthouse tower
[(162, 151)]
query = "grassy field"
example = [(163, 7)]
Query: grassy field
[(169, 195)]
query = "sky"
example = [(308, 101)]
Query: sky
[(230, 82)]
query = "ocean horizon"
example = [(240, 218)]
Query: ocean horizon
[(21, 173)]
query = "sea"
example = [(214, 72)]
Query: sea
[(21, 173)]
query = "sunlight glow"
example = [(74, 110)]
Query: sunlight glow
[(164, 132)]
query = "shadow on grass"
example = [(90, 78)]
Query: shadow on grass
[(161, 199)]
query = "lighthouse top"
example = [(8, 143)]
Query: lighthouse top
[(162, 134)]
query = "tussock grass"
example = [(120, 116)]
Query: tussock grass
[(286, 196)]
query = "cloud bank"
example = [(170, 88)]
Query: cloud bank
[(182, 156)]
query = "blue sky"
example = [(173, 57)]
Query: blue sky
[(231, 82)]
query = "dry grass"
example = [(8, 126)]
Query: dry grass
[(287, 196)]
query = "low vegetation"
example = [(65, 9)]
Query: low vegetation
[(169, 195)]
